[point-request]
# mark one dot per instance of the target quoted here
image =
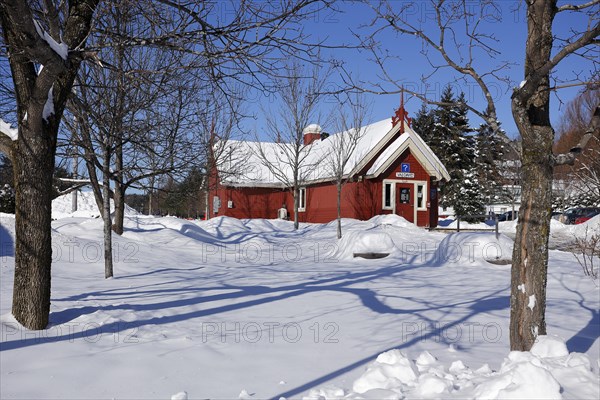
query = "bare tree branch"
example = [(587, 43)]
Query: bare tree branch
[(577, 7)]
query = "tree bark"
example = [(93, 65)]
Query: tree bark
[(119, 209), (108, 259), (296, 205), (33, 166), (339, 210), (530, 110)]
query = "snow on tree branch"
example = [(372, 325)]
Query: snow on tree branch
[(9, 131), (59, 48)]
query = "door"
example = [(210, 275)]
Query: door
[(405, 201)]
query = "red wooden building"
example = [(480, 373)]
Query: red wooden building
[(392, 171)]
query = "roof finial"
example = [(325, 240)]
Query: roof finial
[(401, 113)]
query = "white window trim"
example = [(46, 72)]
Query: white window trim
[(392, 184), (301, 199), (425, 195)]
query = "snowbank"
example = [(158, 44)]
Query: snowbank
[(463, 246), (557, 227), (548, 371), (358, 241), (223, 227), (86, 206), (392, 220), (268, 225)]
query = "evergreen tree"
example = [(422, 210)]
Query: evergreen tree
[(7, 193), (489, 152), (423, 124), (185, 198), (468, 200), (455, 146), (6, 171), (7, 199), (447, 132)]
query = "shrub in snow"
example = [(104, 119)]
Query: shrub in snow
[(587, 249), (7, 199)]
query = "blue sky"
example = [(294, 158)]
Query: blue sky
[(410, 64)]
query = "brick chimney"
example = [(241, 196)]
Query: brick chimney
[(312, 133)]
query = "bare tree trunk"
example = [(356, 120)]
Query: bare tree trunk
[(150, 201), (296, 204), (119, 192), (339, 210), (108, 259), (530, 254), (206, 203), (33, 166), (151, 195), (33, 153), (75, 176), (119, 199)]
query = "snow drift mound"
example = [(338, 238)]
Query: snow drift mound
[(373, 241), (350, 223), (187, 228), (223, 227), (86, 206), (260, 225), (393, 220), (548, 371), (466, 247)]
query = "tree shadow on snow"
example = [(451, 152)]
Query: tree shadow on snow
[(255, 295), (583, 340), (7, 246)]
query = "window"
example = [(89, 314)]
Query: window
[(404, 195), (302, 199), (387, 196), (421, 197)]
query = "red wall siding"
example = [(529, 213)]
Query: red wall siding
[(251, 202), (360, 200)]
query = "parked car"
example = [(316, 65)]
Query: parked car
[(508, 216), (587, 216), (571, 215)]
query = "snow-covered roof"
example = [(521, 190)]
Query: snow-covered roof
[(377, 143)]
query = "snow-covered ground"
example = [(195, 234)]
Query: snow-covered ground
[(253, 309)]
